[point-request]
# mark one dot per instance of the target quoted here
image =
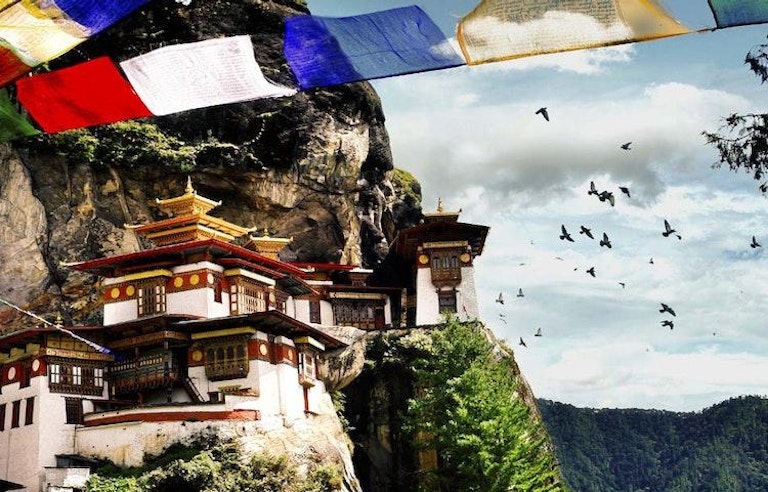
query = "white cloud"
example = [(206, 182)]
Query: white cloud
[(520, 159)]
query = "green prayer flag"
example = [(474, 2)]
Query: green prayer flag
[(12, 123)]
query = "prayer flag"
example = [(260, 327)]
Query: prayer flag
[(506, 29), (93, 15), (196, 75), (87, 94), (11, 66), (729, 13), (34, 37), (13, 124), (324, 51)]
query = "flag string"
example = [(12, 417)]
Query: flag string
[(58, 327)]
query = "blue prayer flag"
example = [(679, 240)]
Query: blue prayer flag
[(325, 51), (729, 13), (96, 15)]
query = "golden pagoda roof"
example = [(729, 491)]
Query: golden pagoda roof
[(267, 245), (189, 221), (188, 203), (441, 214)]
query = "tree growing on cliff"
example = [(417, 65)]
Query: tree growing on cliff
[(742, 141), (469, 412)]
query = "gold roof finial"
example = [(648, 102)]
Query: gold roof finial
[(189, 188), (439, 205)]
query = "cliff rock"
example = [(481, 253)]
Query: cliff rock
[(315, 166)]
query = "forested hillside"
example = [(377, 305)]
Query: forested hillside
[(723, 448)]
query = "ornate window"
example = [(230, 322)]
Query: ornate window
[(74, 409), (446, 265), (447, 301), (151, 298), (81, 377), (247, 297), (149, 370), (314, 311), (227, 358), (15, 412), (29, 411), (360, 313)]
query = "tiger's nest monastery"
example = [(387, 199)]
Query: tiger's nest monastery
[(207, 328)]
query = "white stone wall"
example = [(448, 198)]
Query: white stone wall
[(301, 310), (326, 313), (467, 296), (427, 304), (197, 302), (21, 447), (200, 265), (117, 312)]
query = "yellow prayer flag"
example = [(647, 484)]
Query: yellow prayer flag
[(499, 30), (36, 38)]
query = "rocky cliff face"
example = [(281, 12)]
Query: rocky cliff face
[(315, 166)]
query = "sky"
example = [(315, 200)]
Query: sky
[(471, 136)]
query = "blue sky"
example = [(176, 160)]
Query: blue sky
[(471, 137)]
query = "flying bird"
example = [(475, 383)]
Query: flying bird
[(623, 285), (591, 271), (538, 333), (543, 112), (625, 190), (500, 299), (605, 241), (667, 309), (607, 195), (668, 230), (520, 293), (592, 189), (625, 146), (586, 231), (522, 342), (669, 323), (755, 244), (565, 234), (650, 261)]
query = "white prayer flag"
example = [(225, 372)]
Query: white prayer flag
[(197, 75)]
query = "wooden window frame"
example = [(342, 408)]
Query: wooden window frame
[(29, 411)]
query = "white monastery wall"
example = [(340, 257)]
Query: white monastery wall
[(427, 303), (467, 295), (117, 312)]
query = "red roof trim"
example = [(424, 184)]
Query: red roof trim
[(214, 245), (324, 267)]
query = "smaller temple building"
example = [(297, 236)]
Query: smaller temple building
[(208, 328)]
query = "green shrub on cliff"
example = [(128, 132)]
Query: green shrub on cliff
[(468, 411)]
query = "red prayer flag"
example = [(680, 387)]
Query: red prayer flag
[(88, 94), (11, 66)]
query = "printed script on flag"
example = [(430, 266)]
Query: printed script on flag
[(499, 30), (197, 75), (34, 36)]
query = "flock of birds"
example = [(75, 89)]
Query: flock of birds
[(608, 197)]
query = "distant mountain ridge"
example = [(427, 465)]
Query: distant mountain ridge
[(722, 448)]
